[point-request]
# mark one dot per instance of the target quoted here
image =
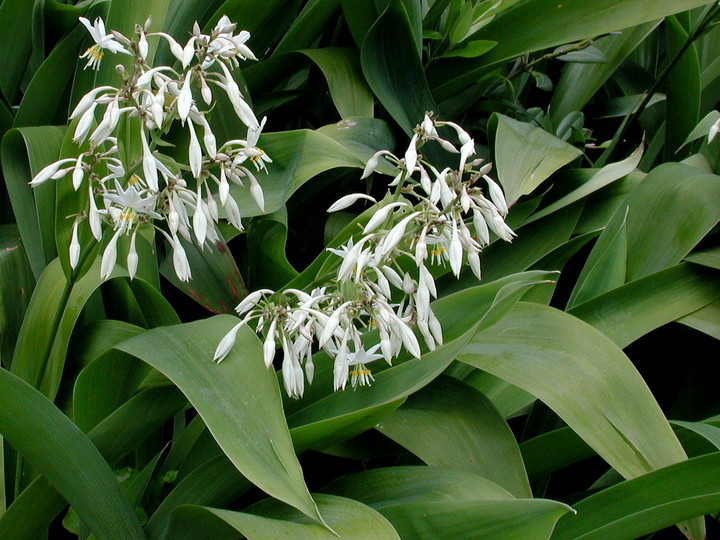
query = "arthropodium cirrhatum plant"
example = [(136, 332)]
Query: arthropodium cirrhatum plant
[(424, 217), (372, 287), (152, 190)]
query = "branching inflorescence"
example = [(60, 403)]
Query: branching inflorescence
[(151, 189), (381, 279)]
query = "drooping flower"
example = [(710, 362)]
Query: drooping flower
[(103, 41)]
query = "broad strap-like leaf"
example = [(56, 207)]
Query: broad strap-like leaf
[(271, 521), (67, 458), (239, 400), (646, 504)]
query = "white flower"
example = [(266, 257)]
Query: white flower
[(148, 162), (226, 343), (109, 257), (200, 222), (185, 100), (94, 217), (88, 100), (372, 163), (349, 200), (194, 152), (102, 41), (714, 130), (49, 172), (379, 217), (496, 195), (180, 261), (74, 246), (132, 258), (269, 345)]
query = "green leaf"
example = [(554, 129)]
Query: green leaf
[(682, 106), (237, 399), (707, 431), (38, 505), (646, 504), (24, 153), (53, 444), (519, 518), (15, 290), (348, 89), (608, 270), (507, 398), (449, 424), (109, 381), (546, 352), (471, 49), (266, 21), (179, 20), (51, 317), (588, 55), (314, 19), (216, 282), (628, 312), (526, 155), (15, 45), (46, 97), (703, 127), (605, 176), (674, 192), (393, 485), (705, 320), (393, 68), (271, 521), (269, 267), (552, 451), (215, 483), (544, 24)]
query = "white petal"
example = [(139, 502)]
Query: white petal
[(149, 168), (47, 172), (380, 216), (396, 234), (474, 260), (349, 200), (78, 173), (194, 152), (200, 223), (109, 257), (269, 345), (496, 195), (257, 193), (411, 155), (184, 100), (87, 101), (132, 258), (481, 228), (714, 131), (74, 251), (455, 252), (143, 46), (180, 261), (226, 343), (94, 218), (188, 52)]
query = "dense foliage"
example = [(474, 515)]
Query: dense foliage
[(505, 327)]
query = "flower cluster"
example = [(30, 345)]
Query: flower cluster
[(151, 188), (384, 279)]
